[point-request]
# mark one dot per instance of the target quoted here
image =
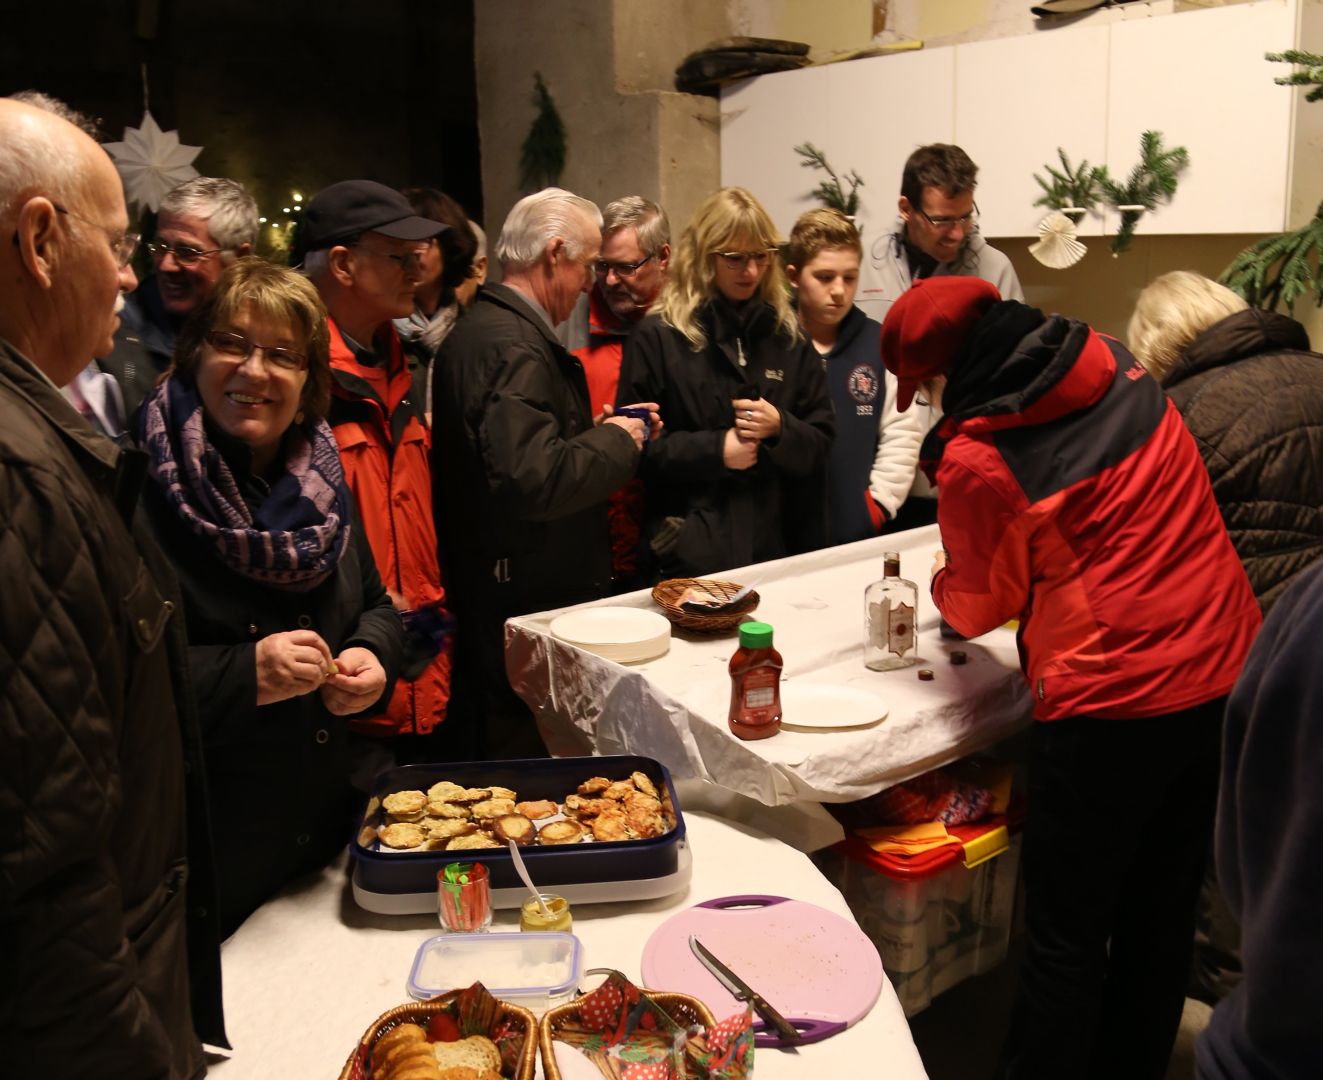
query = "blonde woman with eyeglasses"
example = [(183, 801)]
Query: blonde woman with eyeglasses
[(738, 475)]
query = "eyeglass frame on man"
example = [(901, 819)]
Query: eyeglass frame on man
[(123, 245), (625, 271), (946, 224), (403, 260), (738, 260), (184, 254), (271, 354)]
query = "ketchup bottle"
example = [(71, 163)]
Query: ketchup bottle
[(755, 684)]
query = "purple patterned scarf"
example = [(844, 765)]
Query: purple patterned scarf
[(295, 539)]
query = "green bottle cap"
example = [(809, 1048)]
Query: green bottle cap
[(755, 635)]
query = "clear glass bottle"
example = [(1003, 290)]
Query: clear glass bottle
[(891, 608)]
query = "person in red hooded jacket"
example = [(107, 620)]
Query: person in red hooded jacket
[(1072, 498)]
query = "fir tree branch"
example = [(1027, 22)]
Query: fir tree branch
[(1280, 269), (830, 192), (1152, 180), (1070, 186), (542, 156)]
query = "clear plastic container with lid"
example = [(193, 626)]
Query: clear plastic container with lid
[(537, 971), (755, 684)]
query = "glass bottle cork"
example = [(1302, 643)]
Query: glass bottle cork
[(890, 612)]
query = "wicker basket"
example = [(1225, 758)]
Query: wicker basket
[(683, 1009), (420, 1012), (667, 594)]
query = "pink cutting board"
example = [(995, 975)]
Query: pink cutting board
[(815, 968)]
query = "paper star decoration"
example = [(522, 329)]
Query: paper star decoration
[(152, 162)]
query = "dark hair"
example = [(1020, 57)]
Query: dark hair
[(459, 247), (941, 166), (275, 292)]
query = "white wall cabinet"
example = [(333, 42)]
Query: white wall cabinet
[(1198, 77)]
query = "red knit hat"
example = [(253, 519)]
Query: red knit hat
[(925, 328)]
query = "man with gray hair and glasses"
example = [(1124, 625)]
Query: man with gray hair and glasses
[(203, 226), (523, 461), (630, 272), (92, 801)]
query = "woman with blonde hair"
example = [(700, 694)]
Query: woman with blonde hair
[(738, 474), (1251, 393)]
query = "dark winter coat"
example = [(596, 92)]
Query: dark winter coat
[(730, 517), (277, 775), (144, 345), (521, 474), (93, 978), (1251, 393)]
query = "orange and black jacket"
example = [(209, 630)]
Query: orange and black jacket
[(1071, 497), (384, 445)]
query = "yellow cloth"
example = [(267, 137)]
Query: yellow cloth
[(907, 839)]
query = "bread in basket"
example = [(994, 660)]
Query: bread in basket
[(671, 594)]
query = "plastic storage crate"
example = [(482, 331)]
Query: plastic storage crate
[(936, 918)]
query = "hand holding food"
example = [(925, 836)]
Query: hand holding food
[(355, 684), (291, 664)]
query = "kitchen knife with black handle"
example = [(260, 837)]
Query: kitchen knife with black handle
[(742, 991)]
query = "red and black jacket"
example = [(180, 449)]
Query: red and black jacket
[(1071, 497)]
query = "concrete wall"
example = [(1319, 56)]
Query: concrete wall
[(609, 65)]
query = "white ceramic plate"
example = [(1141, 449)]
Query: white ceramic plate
[(626, 635), (821, 706)]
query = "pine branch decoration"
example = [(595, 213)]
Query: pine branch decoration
[(1068, 186), (1280, 269), (542, 156), (1150, 182), (1312, 75), (830, 192)]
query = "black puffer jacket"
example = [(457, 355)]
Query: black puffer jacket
[(93, 978), (1252, 396), (730, 517), (520, 473)]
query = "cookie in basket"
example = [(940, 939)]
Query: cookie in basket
[(442, 809), (492, 808), (472, 842), (444, 791)]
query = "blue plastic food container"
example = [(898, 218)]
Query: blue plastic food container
[(396, 872)]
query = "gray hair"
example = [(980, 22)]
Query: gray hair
[(225, 205), (33, 163), (481, 237), (38, 100), (1171, 312), (535, 220), (646, 218)]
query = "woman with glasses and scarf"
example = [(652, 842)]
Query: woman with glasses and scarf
[(290, 632), (738, 475)]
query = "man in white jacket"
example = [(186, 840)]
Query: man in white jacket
[(936, 233)]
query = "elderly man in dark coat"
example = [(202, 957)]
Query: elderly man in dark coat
[(521, 470), (92, 819)]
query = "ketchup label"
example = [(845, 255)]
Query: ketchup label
[(759, 696)]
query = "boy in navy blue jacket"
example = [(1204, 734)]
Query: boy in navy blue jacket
[(876, 450)]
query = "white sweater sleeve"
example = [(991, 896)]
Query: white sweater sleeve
[(897, 457)]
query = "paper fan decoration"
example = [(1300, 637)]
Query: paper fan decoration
[(152, 162), (1058, 247)]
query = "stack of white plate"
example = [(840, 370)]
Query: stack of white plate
[(625, 635)]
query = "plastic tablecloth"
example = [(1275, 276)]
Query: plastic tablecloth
[(674, 708), (309, 971)]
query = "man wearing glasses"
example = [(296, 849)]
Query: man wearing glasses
[(629, 273), (936, 234), (92, 786), (203, 226), (363, 246)]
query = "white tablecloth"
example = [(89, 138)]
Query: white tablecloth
[(674, 708), (308, 973)]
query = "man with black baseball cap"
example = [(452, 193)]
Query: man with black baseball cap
[(361, 245)]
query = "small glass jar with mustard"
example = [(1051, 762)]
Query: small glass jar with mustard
[(556, 917)]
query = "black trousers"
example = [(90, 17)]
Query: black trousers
[(1114, 850)]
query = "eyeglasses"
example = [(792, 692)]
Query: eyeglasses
[(411, 260), (122, 244), (183, 253), (238, 347), (738, 260), (946, 224), (623, 270)]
